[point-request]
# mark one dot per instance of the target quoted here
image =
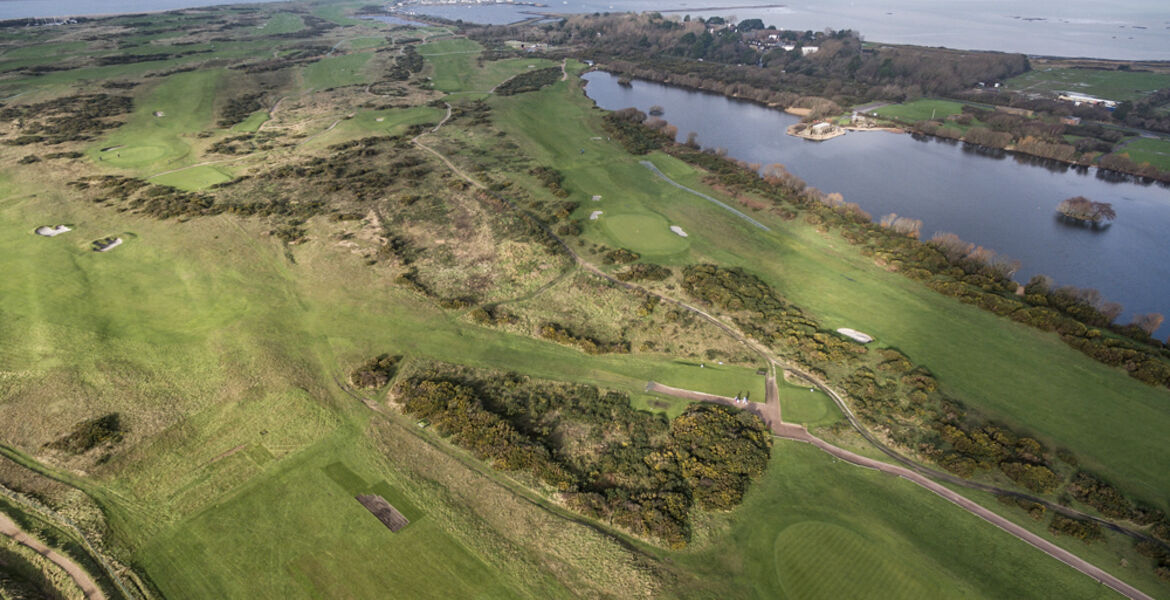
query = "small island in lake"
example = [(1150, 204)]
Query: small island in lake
[(1082, 210)]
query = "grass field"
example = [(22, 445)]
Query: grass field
[(812, 408), (337, 71), (195, 178), (1111, 85), (815, 528), (921, 110), (156, 135), (644, 233), (320, 541), (1026, 378), (253, 122), (1147, 150)]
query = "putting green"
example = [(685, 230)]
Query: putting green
[(644, 233), (815, 560), (799, 405)]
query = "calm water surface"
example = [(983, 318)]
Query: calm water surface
[(1130, 29), (1124, 29), (998, 203)]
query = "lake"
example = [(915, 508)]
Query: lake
[(1003, 203)]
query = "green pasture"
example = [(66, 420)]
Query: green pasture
[(184, 101), (1111, 85), (337, 71), (1149, 150), (1023, 377), (817, 528), (921, 110)]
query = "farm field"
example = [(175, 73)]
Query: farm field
[(224, 341), (1111, 85)]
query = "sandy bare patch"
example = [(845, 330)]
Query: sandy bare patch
[(678, 230), (47, 231), (106, 244), (384, 511), (855, 335)]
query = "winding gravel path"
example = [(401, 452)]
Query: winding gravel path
[(80, 576)]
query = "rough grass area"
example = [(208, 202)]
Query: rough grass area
[(921, 110), (1111, 85), (1147, 150)]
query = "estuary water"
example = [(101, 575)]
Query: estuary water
[(997, 201), (1121, 29)]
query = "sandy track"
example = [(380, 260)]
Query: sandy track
[(79, 575)]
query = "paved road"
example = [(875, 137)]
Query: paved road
[(9, 528)]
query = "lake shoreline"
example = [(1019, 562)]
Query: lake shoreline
[(956, 187)]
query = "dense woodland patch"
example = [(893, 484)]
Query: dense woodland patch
[(632, 468)]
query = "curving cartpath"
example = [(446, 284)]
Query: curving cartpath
[(80, 576), (770, 413)]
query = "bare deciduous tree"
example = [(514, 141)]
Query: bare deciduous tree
[(1149, 322)]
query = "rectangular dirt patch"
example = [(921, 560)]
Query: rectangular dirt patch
[(384, 511)]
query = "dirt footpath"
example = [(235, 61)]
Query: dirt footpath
[(80, 576)]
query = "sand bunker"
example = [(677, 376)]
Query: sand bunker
[(593, 216), (47, 231), (678, 230), (855, 335), (596, 198), (106, 244)]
